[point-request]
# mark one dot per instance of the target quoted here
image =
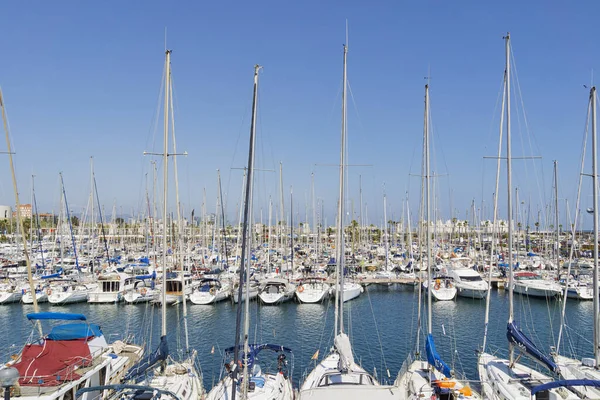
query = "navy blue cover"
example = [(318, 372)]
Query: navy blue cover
[(517, 337), (565, 383)]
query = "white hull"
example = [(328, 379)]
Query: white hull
[(275, 298), (536, 291), (105, 297), (253, 294), (351, 291), (41, 297), (574, 369), (60, 298), (205, 298), (310, 294), (471, 293), (10, 297), (581, 293), (142, 295)]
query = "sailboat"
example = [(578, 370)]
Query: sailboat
[(244, 377), (587, 368), (506, 379), (431, 378), (164, 376), (337, 375)]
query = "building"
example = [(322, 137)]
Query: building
[(5, 212), (24, 211)]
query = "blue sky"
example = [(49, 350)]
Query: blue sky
[(83, 79)]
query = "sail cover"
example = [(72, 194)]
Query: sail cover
[(433, 358), (517, 337), (342, 344), (161, 353)]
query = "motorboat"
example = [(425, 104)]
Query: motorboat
[(468, 283), (532, 284)]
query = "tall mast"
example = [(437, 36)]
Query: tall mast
[(428, 208), (509, 195), (165, 191), (385, 235), (339, 235), (281, 209), (245, 237), (595, 183)]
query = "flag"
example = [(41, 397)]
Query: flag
[(315, 356), (212, 351)]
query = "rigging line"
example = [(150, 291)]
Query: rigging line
[(377, 329), (577, 205), (493, 126), (541, 191)]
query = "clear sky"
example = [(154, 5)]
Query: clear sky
[(83, 79)]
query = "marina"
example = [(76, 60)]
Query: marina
[(316, 242)]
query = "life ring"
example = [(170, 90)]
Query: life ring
[(143, 291), (300, 289), (212, 291), (437, 286), (48, 291)]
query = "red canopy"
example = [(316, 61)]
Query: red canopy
[(53, 362)]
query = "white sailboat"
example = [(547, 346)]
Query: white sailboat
[(337, 375), (506, 379), (431, 378), (244, 377), (164, 377)]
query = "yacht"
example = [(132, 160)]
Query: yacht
[(532, 284), (468, 283), (442, 288)]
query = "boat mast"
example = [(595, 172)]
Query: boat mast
[(165, 192), (509, 196), (385, 224), (428, 209), (595, 183), (339, 236), (245, 237)]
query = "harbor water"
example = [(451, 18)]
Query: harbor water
[(382, 324)]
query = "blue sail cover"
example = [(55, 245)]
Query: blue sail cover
[(517, 337), (433, 358), (160, 354), (56, 315), (565, 383)]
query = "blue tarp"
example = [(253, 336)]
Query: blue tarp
[(530, 254), (56, 315), (142, 277), (57, 275), (144, 260), (565, 383), (517, 337), (74, 331), (161, 353), (433, 358)]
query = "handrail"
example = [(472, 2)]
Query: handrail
[(156, 393)]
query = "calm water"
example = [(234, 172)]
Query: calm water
[(382, 324)]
